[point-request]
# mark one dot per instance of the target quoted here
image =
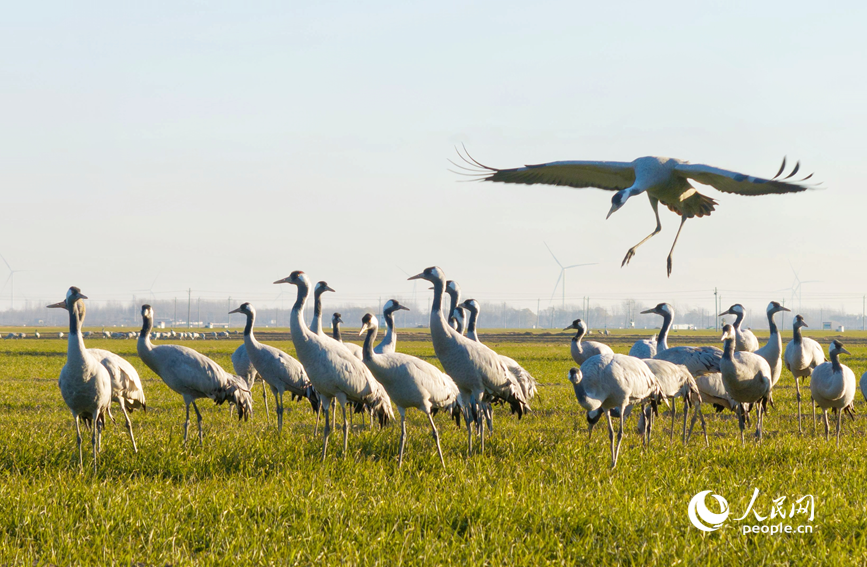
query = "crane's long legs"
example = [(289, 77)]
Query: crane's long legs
[(318, 413), (198, 422), (93, 437), (654, 203), (187, 422), (814, 412), (128, 426), (326, 429), (78, 439), (611, 438), (673, 244), (798, 396), (402, 435), (825, 419), (345, 431), (623, 415), (741, 420), (278, 402), (839, 424), (265, 402), (437, 439)]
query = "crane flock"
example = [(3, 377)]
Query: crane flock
[(740, 377)]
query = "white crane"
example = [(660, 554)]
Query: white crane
[(316, 323), (126, 388), (525, 379), (747, 379), (476, 369), (609, 382), (192, 375), (336, 321), (84, 383), (649, 348), (334, 371), (833, 386), (665, 180), (410, 382), (389, 342), (745, 339), (675, 381), (282, 372), (802, 355), (581, 351), (773, 349), (245, 369)]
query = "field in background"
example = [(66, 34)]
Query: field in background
[(541, 493)]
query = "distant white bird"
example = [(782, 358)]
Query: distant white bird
[(410, 382), (389, 342), (334, 371), (833, 386), (84, 383), (745, 339), (665, 180), (476, 369), (747, 379), (336, 321), (649, 348), (36, 334), (316, 323), (609, 382), (245, 369), (581, 351), (282, 372), (802, 355), (192, 375)]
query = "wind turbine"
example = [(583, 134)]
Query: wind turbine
[(796, 286), (11, 281), (562, 275), (150, 290)]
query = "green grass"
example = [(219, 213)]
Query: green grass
[(540, 494)]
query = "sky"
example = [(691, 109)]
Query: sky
[(218, 146)]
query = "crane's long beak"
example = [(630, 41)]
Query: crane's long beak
[(804, 324), (646, 311), (363, 329), (284, 280), (844, 351), (58, 305), (327, 288), (399, 307), (238, 310), (569, 327), (416, 277), (784, 308), (729, 312)]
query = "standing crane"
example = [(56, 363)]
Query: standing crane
[(745, 340), (581, 351), (802, 355), (833, 386)]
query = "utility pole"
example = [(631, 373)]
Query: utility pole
[(189, 305), (198, 310), (715, 309), (175, 318), (228, 308), (863, 304), (539, 301)]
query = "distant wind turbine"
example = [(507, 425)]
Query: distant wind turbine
[(796, 286), (562, 275), (11, 281), (150, 290)]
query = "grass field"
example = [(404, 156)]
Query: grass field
[(540, 494)]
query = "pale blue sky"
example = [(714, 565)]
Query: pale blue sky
[(223, 145)]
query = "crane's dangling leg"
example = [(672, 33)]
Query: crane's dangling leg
[(654, 203), (128, 425), (673, 244), (437, 439), (198, 422)]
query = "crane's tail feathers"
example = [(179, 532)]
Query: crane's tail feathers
[(313, 396), (236, 393)]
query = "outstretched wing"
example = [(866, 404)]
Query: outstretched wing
[(611, 175), (739, 183)]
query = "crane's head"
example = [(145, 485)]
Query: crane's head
[(799, 322), (245, 308), (736, 309), (368, 323), (575, 373), (147, 312), (321, 287), (728, 333), (578, 325), (336, 319), (73, 294), (661, 309), (775, 307), (618, 200), (298, 278), (393, 305), (837, 348), (470, 305), (432, 274)]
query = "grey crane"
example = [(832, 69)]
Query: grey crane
[(389, 343), (613, 383), (525, 380), (282, 372), (84, 383), (126, 388), (649, 348), (454, 291), (316, 323), (665, 180), (773, 349), (410, 382), (245, 369), (192, 375), (864, 386), (675, 381), (802, 355), (476, 369), (581, 351), (833, 386), (745, 339), (747, 379), (336, 321), (335, 372)]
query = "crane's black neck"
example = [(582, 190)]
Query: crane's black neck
[(728, 349), (147, 326), (471, 324), (796, 333), (317, 303), (459, 324), (437, 304), (301, 299), (76, 319), (389, 319), (248, 328), (662, 337), (835, 361), (579, 334), (455, 297), (367, 347), (771, 324), (335, 330), (739, 318)]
